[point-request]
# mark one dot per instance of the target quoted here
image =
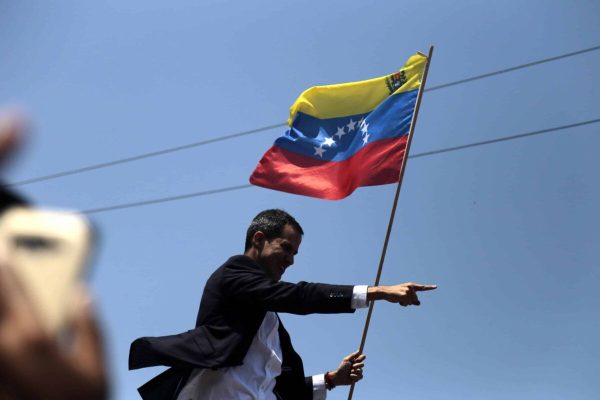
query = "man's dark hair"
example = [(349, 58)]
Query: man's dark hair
[(271, 223)]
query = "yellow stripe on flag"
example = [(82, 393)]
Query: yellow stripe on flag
[(353, 98)]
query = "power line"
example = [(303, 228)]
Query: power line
[(261, 129), (142, 156), (505, 138), (504, 71), (164, 199), (418, 155)]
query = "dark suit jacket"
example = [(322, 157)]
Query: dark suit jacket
[(234, 303)]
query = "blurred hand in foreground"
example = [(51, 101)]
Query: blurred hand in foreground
[(34, 364)]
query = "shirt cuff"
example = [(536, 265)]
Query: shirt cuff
[(359, 297), (319, 388)]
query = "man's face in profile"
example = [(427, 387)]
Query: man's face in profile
[(278, 253)]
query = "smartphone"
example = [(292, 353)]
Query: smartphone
[(48, 251)]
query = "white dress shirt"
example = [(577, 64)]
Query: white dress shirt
[(255, 378)]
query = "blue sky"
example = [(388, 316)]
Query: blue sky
[(508, 231)]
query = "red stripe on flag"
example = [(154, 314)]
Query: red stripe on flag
[(377, 163)]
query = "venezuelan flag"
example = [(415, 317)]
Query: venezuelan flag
[(344, 136)]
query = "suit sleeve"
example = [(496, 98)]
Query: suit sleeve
[(308, 385), (253, 286), (191, 349)]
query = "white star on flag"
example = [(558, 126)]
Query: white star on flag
[(329, 141), (319, 151), (340, 132), (365, 138), (351, 125), (365, 128)]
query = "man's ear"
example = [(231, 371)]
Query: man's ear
[(258, 239)]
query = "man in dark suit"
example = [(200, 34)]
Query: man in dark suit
[(239, 348)]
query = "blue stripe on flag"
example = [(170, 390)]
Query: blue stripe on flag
[(337, 139)]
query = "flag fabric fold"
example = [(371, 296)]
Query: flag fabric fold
[(344, 136)]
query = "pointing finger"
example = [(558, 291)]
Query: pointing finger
[(422, 288)]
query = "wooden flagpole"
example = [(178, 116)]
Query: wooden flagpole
[(413, 123)]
